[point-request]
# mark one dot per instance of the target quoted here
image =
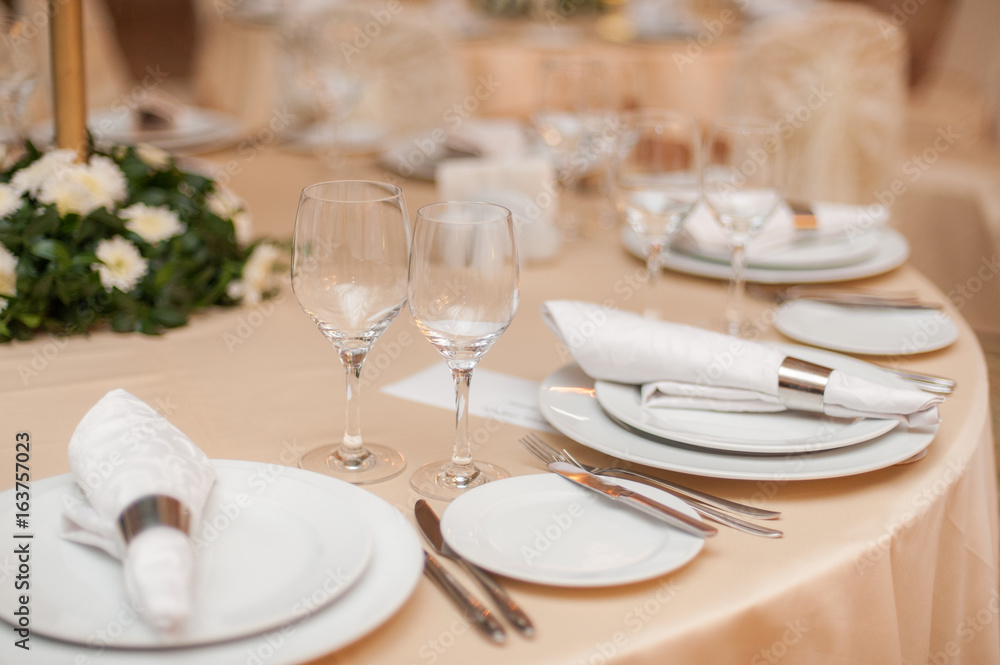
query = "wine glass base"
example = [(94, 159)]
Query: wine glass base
[(431, 481), (381, 464)]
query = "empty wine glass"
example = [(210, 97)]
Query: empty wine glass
[(655, 182), (573, 116), (463, 291), (350, 250), (742, 181)]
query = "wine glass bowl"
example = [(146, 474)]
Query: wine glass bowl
[(18, 74), (742, 183), (350, 250), (463, 293), (655, 182)]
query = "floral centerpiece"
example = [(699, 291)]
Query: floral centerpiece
[(127, 240)]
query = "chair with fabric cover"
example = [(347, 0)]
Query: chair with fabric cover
[(835, 79)]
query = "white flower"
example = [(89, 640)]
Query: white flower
[(69, 196), (83, 188), (10, 200), (49, 166), (223, 202), (123, 265), (158, 158), (8, 272), (152, 224), (258, 273), (3, 304), (243, 227), (105, 181)]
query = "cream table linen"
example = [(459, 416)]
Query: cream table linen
[(894, 566)]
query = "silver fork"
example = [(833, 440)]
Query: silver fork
[(547, 454), (926, 382)]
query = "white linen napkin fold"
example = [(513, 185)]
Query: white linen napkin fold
[(685, 367), (702, 232), (121, 451)]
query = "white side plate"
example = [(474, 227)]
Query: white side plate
[(545, 529), (865, 330)]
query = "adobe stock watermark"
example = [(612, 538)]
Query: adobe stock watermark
[(711, 30), (424, 148), (966, 631), (920, 503), (543, 538), (792, 635), (364, 34)]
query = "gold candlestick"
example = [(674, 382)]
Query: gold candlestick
[(68, 90)]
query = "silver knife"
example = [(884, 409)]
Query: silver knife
[(430, 525), (474, 610), (615, 491)]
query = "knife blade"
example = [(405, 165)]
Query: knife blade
[(673, 517), (475, 611), (430, 525)]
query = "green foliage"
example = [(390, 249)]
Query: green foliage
[(58, 286)]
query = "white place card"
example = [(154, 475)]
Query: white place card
[(497, 396)]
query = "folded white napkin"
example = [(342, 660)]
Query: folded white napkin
[(701, 232), (685, 367), (121, 451)]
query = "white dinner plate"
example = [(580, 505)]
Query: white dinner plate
[(762, 433), (194, 129), (892, 251), (566, 398), (785, 253), (866, 330), (545, 529), (244, 584), (389, 580)]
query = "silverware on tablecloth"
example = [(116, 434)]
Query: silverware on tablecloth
[(926, 382), (430, 526), (857, 299), (475, 611), (547, 453), (623, 495)]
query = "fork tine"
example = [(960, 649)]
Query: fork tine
[(571, 459), (535, 450), (552, 452)]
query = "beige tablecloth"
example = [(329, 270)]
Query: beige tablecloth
[(893, 566)]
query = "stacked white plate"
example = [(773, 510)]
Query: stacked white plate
[(292, 565), (780, 447), (860, 245)]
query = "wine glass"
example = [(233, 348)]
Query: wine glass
[(742, 181), (463, 291), (18, 72), (573, 117), (350, 250), (654, 182)]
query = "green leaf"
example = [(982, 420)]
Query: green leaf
[(30, 320), (53, 250)]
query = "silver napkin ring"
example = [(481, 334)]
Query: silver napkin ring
[(153, 510), (801, 384)]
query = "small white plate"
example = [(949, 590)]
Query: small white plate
[(545, 529), (880, 332), (269, 551), (393, 573), (892, 251)]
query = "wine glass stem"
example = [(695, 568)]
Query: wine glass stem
[(653, 258), (352, 451), (737, 287), (461, 465)]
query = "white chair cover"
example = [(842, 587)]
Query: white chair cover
[(835, 78)]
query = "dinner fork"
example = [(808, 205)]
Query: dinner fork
[(926, 382), (547, 454)]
